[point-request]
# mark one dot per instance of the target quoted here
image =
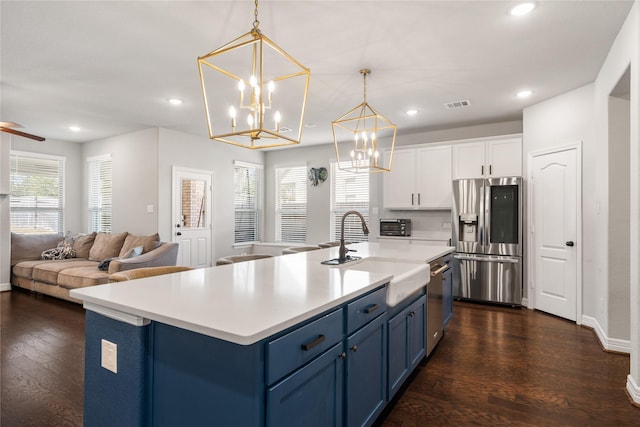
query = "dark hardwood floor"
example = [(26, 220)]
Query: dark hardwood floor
[(494, 367)]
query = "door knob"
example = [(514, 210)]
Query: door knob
[(569, 243)]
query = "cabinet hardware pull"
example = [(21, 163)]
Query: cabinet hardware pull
[(569, 243), (354, 348), (313, 343), (489, 169), (413, 313), (418, 199), (411, 199), (482, 170), (371, 308), (342, 355), (178, 234)]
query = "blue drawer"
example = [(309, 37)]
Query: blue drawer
[(287, 353), (365, 309)]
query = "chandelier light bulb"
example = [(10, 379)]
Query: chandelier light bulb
[(353, 154), (250, 120), (232, 113), (271, 86), (241, 85)]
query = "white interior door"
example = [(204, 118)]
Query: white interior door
[(555, 201), (192, 206)]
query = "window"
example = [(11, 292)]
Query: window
[(247, 202), (291, 204), (37, 193), (349, 191), (100, 190)]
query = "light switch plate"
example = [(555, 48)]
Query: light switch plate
[(109, 356), (149, 208)]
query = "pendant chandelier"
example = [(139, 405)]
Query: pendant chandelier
[(364, 139), (254, 93)]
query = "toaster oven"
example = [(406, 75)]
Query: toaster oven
[(395, 227)]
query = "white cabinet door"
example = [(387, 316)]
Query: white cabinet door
[(504, 158), (399, 184), (434, 177), (468, 160), (488, 159)]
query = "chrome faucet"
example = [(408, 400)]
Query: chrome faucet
[(365, 230)]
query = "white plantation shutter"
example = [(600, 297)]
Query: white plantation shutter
[(291, 204), (349, 191), (100, 193), (37, 193), (247, 202)]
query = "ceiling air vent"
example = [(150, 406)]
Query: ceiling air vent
[(283, 129), (457, 104)]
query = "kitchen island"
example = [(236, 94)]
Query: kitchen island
[(257, 343)]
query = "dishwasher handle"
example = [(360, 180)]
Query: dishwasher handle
[(486, 258), (440, 270)]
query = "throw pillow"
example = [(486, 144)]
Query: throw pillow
[(133, 252), (106, 245), (82, 244), (64, 250), (148, 243)]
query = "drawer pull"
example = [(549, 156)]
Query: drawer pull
[(313, 343), (342, 355), (371, 308), (354, 348), (413, 313)]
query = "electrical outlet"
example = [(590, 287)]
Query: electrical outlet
[(149, 208), (110, 356)]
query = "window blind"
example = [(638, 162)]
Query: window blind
[(291, 204), (100, 193), (349, 191), (247, 202), (37, 193)]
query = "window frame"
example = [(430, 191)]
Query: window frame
[(59, 210), (101, 208), (300, 177), (259, 203), (353, 226)]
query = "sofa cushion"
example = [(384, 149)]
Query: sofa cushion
[(30, 246), (148, 243), (82, 277), (49, 271), (82, 244), (106, 245), (24, 269)]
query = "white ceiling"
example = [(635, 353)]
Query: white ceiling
[(109, 66)]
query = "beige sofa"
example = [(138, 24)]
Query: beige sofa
[(57, 277)]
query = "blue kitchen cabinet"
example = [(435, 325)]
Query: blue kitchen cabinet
[(407, 342), (312, 396), (366, 378), (447, 293)]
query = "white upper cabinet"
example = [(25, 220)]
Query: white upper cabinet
[(488, 159), (419, 179)]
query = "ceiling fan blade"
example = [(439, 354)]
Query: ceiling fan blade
[(19, 133)]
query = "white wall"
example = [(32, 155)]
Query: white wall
[(624, 52), (189, 151), (5, 224), (134, 159)]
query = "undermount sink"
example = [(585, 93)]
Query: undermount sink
[(408, 276)]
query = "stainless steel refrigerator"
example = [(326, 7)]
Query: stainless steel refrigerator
[(487, 235)]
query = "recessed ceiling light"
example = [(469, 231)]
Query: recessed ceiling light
[(522, 8), (74, 128), (412, 112), (174, 101), (524, 94)]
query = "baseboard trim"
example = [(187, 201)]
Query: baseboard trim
[(5, 287), (609, 344), (633, 389)]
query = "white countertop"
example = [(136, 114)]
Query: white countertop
[(249, 301)]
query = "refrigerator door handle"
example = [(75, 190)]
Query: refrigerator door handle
[(464, 257)]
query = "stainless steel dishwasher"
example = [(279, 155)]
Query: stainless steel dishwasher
[(434, 303)]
